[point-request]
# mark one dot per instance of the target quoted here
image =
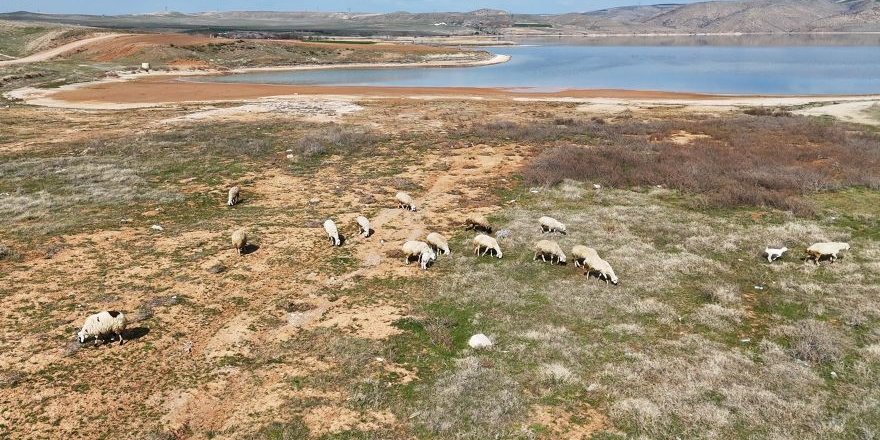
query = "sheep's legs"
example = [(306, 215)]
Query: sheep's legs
[(121, 341)]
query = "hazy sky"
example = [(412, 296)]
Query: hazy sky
[(111, 7)]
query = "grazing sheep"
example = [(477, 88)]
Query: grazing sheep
[(405, 201), (420, 249), (550, 224), (438, 242), (819, 250), (588, 258), (234, 196), (486, 242), (478, 223), (332, 232), (546, 247), (102, 324), (774, 254), (363, 225), (239, 240)]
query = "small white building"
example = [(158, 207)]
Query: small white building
[(145, 66)]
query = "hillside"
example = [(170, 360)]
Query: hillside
[(746, 16)]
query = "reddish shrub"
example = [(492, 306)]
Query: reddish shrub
[(744, 161)]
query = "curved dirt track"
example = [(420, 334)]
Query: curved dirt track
[(54, 52)]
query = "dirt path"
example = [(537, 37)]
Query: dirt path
[(856, 112), (54, 52)]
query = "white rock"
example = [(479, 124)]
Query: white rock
[(157, 228), (597, 186), (479, 340)]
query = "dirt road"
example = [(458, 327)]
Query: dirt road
[(51, 53)]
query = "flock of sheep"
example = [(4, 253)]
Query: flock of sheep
[(110, 323)]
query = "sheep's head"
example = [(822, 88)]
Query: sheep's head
[(845, 247), (783, 250), (82, 335), (562, 258), (498, 252), (614, 279)]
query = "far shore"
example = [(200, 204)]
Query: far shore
[(173, 87)]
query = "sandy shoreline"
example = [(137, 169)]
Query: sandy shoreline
[(178, 87)]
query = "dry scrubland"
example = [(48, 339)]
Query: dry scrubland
[(702, 338)]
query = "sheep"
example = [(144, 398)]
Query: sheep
[(550, 224), (551, 248), (819, 250), (101, 324), (332, 232), (405, 201), (363, 225), (438, 242), (477, 223), (588, 258), (234, 196), (239, 240), (486, 242), (420, 249), (773, 254)]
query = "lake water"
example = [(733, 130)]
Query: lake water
[(685, 65)]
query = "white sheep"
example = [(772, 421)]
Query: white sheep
[(102, 324), (831, 249), (234, 196), (332, 232), (478, 222), (774, 254), (419, 249), (363, 225), (550, 224), (588, 258), (438, 242), (239, 240), (549, 248), (405, 201), (486, 242)]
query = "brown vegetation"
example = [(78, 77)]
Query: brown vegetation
[(744, 161)]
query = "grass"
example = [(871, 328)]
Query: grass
[(664, 352), (702, 338)]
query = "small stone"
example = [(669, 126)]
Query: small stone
[(597, 186), (479, 340), (157, 228)]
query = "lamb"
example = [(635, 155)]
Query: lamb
[(550, 224), (486, 242), (239, 240), (332, 232), (438, 242), (405, 201), (546, 247), (102, 324), (819, 250), (234, 196), (477, 223), (363, 225), (419, 249), (773, 254), (588, 258)]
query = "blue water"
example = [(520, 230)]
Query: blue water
[(810, 69)]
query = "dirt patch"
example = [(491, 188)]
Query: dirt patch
[(682, 137), (570, 425)]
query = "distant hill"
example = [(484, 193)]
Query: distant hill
[(744, 16)]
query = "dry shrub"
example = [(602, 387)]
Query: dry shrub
[(475, 401), (744, 161), (816, 342), (334, 139)]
